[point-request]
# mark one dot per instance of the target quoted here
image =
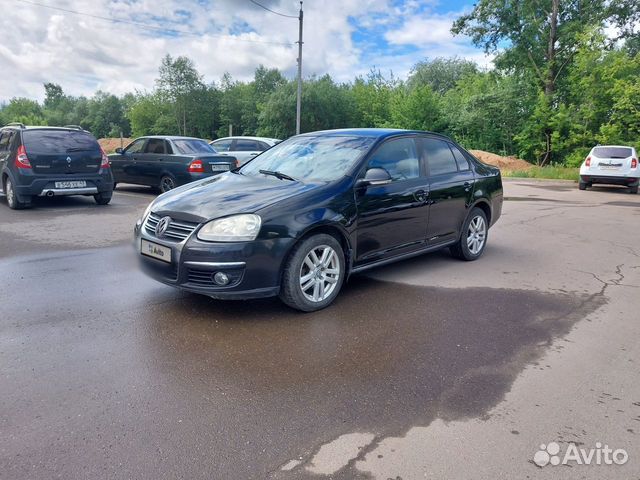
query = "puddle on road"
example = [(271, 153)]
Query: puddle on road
[(384, 358)]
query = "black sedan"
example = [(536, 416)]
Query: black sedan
[(299, 219), (167, 162)]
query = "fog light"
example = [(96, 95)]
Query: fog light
[(221, 278)]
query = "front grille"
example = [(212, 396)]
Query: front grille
[(177, 230)]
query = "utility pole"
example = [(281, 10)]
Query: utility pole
[(299, 99)]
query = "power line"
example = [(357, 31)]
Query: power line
[(272, 11), (150, 27)]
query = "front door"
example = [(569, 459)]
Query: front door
[(451, 182), (392, 218)]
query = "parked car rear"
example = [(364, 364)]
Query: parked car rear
[(52, 161), (612, 165), (167, 162)]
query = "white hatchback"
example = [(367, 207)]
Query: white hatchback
[(612, 165)]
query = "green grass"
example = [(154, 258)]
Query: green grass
[(552, 173)]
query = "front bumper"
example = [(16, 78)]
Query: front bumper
[(253, 268)]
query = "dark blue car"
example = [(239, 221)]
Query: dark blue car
[(165, 162), (297, 220)]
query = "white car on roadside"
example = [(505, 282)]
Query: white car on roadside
[(243, 148), (611, 165)]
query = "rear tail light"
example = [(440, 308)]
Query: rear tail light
[(22, 161), (105, 160), (196, 166), (634, 163), (587, 162)]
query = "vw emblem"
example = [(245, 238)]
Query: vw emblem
[(69, 160), (162, 226)]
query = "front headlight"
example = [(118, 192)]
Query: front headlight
[(237, 228), (144, 216)]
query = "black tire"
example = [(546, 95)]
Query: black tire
[(102, 198), (12, 197), (462, 249), (582, 186), (167, 182), (296, 269), (115, 184), (633, 189)]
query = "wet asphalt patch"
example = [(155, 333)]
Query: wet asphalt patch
[(151, 383)]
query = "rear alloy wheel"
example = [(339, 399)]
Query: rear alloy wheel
[(12, 197), (314, 274), (582, 186), (167, 183), (474, 236), (102, 198)]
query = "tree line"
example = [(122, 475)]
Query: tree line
[(559, 86)]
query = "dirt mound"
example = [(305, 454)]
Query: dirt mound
[(506, 163), (109, 145)]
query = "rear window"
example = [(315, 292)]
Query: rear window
[(612, 152), (193, 146), (58, 141)]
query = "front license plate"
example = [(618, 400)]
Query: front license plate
[(219, 167), (154, 250), (71, 184)]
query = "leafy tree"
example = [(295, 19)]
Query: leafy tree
[(441, 74)]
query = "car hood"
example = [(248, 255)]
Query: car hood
[(226, 194)]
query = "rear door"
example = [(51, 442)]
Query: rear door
[(612, 161), (62, 152), (392, 218), (451, 182)]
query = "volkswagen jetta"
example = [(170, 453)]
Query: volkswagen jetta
[(299, 219)]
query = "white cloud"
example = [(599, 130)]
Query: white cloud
[(83, 54)]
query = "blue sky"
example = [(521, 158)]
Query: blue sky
[(344, 38)]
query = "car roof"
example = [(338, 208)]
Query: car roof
[(369, 132), (44, 127), (613, 146), (248, 137), (170, 137)]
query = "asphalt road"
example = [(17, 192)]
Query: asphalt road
[(431, 368)]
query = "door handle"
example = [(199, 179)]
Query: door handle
[(467, 186)]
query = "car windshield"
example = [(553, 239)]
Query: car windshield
[(309, 158), (187, 146), (612, 152), (59, 141)]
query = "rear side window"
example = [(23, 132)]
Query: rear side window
[(439, 157), (463, 163), (5, 140), (247, 146), (59, 141), (155, 145), (612, 152)]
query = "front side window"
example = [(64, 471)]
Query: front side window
[(136, 146), (439, 157), (399, 157), (311, 158), (222, 145)]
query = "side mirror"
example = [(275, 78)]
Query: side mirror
[(119, 150), (374, 177)]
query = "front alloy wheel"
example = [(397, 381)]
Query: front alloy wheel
[(313, 273)]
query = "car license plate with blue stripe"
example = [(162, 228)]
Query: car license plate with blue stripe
[(154, 250)]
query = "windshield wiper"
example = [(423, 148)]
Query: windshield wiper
[(278, 175)]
